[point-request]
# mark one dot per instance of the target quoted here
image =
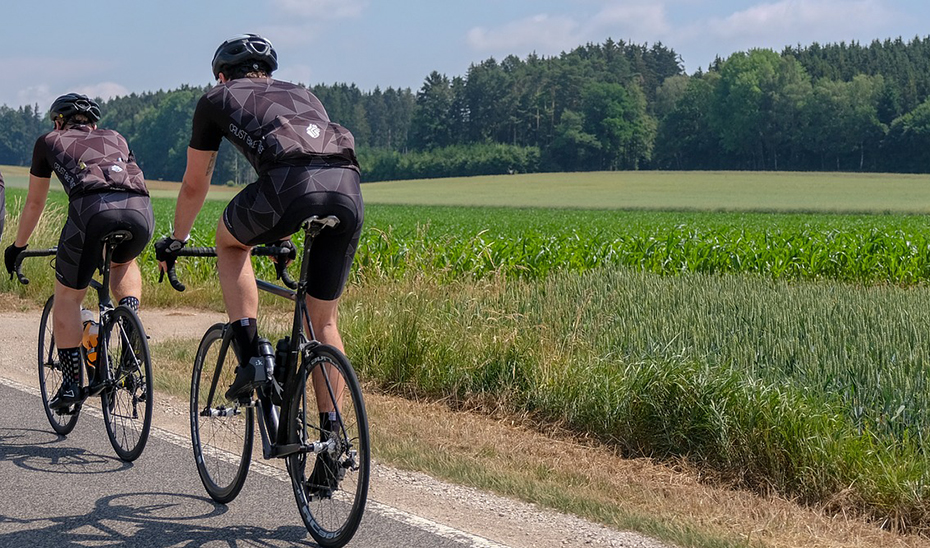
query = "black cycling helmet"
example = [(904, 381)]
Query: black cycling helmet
[(70, 104), (243, 49)]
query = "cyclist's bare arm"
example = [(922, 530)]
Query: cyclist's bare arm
[(32, 209), (194, 189)]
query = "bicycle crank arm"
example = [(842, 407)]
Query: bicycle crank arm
[(96, 389), (281, 451), (221, 412)]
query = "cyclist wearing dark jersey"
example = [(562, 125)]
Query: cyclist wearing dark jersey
[(306, 165), (106, 192)]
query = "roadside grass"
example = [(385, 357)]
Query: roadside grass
[(560, 468), (717, 369), (661, 367)]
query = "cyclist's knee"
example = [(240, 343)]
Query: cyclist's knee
[(323, 314)]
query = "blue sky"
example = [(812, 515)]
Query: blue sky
[(161, 44)]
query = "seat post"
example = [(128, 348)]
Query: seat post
[(110, 241)]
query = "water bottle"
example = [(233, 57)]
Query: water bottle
[(267, 355), (280, 359), (89, 341)]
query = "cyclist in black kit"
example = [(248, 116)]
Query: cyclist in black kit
[(106, 192), (306, 165)]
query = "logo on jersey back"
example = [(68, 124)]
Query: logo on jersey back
[(313, 130)]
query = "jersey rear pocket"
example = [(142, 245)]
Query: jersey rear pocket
[(297, 138)]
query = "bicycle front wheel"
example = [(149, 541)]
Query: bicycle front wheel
[(127, 404), (50, 377), (327, 410), (221, 429)]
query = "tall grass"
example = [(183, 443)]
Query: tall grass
[(762, 382)]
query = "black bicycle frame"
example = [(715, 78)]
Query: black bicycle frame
[(301, 318), (272, 426), (105, 307), (105, 303)]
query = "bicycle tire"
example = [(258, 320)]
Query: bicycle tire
[(127, 405), (330, 507), (215, 436), (50, 377)]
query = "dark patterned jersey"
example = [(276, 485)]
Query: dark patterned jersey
[(273, 123), (87, 160)]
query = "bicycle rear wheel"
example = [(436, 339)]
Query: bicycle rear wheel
[(127, 405), (221, 430), (50, 377), (331, 487)]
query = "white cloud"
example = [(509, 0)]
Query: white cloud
[(776, 25), (771, 24), (641, 21), (297, 21), (646, 19), (41, 95), (801, 20), (325, 9), (103, 90), (44, 94), (542, 33)]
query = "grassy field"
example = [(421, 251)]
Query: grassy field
[(778, 350), (700, 191)]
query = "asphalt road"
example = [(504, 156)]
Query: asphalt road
[(74, 491)]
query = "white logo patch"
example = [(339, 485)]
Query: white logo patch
[(116, 169), (313, 131)]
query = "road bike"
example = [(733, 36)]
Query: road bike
[(119, 366), (310, 412)]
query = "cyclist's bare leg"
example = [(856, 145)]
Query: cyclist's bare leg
[(323, 316), (237, 280), (67, 316), (125, 280)]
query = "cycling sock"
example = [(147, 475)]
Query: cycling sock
[(245, 333), (130, 302), (70, 359)]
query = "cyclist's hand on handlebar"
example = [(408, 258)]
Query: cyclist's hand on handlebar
[(10, 255), (166, 253), (286, 244)]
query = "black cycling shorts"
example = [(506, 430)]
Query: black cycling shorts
[(90, 218), (274, 207)]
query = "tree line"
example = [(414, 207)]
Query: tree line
[(610, 106)]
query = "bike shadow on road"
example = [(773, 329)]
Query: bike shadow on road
[(154, 520), (36, 450)]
